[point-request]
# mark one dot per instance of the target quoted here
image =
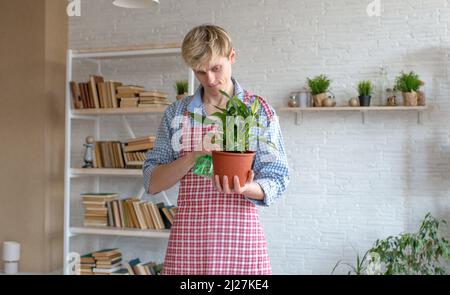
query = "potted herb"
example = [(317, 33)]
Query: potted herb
[(408, 84), (182, 88), (236, 122), (420, 253), (365, 90), (319, 87)]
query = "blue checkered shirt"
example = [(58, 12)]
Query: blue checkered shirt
[(270, 165)]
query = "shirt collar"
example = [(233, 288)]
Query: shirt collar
[(196, 101)]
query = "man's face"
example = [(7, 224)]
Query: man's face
[(215, 74)]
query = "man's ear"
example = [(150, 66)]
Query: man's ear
[(232, 56)]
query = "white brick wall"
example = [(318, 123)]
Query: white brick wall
[(351, 183)]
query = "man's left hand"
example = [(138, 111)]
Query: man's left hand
[(237, 189)]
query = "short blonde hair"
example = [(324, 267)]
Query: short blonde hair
[(205, 42)]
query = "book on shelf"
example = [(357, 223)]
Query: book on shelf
[(154, 93), (114, 154), (136, 267), (94, 80), (138, 147), (76, 95), (106, 261), (153, 99), (96, 208), (127, 213), (97, 93), (108, 154)]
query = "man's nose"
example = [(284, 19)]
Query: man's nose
[(210, 77)]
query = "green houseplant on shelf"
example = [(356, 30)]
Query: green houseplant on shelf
[(420, 253), (408, 84), (365, 90), (319, 87), (234, 138), (182, 88)]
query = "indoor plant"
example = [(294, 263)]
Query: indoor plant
[(408, 84), (365, 90), (319, 87), (182, 88), (235, 124), (420, 253)]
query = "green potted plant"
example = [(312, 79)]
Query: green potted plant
[(420, 253), (365, 90), (235, 138), (182, 88), (319, 87), (408, 84)]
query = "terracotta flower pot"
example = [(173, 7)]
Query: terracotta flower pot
[(231, 164), (318, 98), (410, 98)]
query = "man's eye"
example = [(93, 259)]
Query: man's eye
[(216, 69)]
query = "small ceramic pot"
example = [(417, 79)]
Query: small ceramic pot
[(318, 98), (410, 98), (364, 101)]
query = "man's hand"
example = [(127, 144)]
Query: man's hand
[(225, 188)]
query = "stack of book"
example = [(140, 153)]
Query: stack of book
[(135, 150), (87, 264), (129, 95), (153, 99), (107, 261), (96, 208)]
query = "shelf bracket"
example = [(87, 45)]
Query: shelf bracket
[(127, 126), (166, 198), (298, 118), (363, 117), (141, 193), (419, 117)]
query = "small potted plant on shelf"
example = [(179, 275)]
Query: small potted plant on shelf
[(319, 87), (408, 84), (236, 122), (182, 89), (365, 90)]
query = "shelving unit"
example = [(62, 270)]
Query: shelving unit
[(123, 232), (299, 111), (75, 172), (97, 56)]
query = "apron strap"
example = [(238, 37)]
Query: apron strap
[(248, 99)]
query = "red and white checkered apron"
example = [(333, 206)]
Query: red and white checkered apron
[(214, 233)]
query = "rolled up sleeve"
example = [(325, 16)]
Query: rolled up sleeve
[(162, 152), (270, 166)]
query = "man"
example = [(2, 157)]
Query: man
[(216, 229)]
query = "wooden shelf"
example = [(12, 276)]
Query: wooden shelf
[(117, 111), (373, 108), (105, 171), (363, 110), (124, 232), (144, 50)]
